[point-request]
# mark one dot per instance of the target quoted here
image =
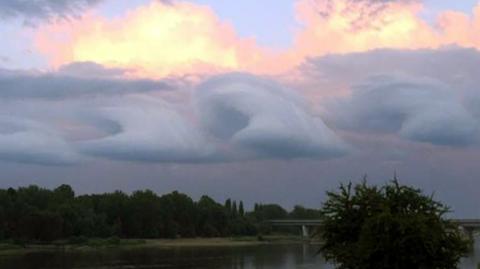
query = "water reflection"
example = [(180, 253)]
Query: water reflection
[(473, 261), (292, 256)]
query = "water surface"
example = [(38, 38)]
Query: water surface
[(288, 256)]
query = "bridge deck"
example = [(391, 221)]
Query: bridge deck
[(467, 223), (294, 222)]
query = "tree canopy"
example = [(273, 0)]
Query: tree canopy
[(37, 214), (389, 227)]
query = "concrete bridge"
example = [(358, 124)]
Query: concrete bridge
[(305, 224), (469, 226)]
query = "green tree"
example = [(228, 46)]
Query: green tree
[(300, 212), (389, 227), (146, 213), (63, 194), (178, 213), (228, 205), (234, 209), (212, 218), (35, 214), (241, 211), (269, 211)]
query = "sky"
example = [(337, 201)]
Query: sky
[(273, 102)]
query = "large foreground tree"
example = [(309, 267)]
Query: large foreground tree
[(389, 227)]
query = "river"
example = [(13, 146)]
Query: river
[(287, 256)]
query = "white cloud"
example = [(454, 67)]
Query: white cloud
[(72, 81), (238, 116), (250, 113), (26, 141), (148, 130), (454, 66), (420, 95), (90, 70), (419, 109)]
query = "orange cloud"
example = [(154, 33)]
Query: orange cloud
[(154, 40), (351, 26), (343, 26), (159, 39), (459, 28)]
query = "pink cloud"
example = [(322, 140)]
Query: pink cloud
[(345, 26), (158, 39)]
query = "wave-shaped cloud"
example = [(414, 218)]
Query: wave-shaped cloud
[(150, 131), (262, 116), (425, 95), (419, 109), (236, 117), (26, 141), (72, 81)]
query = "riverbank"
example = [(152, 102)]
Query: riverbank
[(7, 248)]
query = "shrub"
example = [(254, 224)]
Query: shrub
[(389, 227), (77, 240)]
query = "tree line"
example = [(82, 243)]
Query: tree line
[(43, 215)]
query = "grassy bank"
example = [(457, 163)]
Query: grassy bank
[(223, 242), (92, 244)]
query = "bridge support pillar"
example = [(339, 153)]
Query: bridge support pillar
[(470, 233), (305, 232)]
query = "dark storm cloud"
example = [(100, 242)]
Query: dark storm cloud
[(70, 81), (33, 10)]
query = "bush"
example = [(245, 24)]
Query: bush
[(95, 242), (78, 240), (114, 240), (389, 227)]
